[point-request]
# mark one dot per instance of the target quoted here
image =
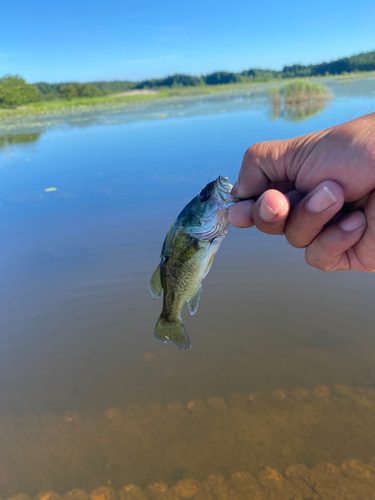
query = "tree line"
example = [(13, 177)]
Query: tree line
[(14, 91)]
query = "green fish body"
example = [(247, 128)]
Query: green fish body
[(186, 257)]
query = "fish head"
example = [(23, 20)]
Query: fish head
[(206, 216), (216, 195)]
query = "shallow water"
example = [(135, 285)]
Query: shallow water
[(77, 318)]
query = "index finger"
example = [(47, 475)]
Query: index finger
[(262, 164)]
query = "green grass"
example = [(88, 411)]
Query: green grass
[(299, 91), (60, 104), (45, 107)]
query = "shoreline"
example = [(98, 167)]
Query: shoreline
[(124, 98)]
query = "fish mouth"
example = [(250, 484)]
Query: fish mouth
[(224, 188)]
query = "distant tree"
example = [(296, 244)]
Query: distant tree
[(260, 75), (360, 62), (182, 81), (74, 90), (14, 91), (222, 77), (50, 97), (115, 87), (296, 70), (176, 80), (49, 88)]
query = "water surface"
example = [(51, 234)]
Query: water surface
[(77, 318)]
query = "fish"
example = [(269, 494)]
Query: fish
[(186, 257)]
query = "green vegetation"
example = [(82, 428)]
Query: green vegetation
[(6, 140), (15, 92), (47, 107), (104, 87), (298, 91), (171, 81), (360, 62), (298, 100), (114, 87), (76, 90)]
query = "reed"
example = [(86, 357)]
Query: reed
[(298, 91)]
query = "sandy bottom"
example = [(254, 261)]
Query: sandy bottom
[(197, 450), (352, 481)]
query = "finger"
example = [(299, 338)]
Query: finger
[(262, 164), (365, 248), (313, 212), (334, 248), (240, 214), (270, 212), (339, 153)]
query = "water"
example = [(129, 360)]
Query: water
[(76, 316)]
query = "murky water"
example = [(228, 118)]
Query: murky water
[(76, 316)]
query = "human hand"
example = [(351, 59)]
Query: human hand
[(303, 184)]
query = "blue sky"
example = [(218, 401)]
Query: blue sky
[(132, 40)]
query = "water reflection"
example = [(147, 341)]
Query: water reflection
[(296, 111), (241, 99), (7, 140), (76, 316)]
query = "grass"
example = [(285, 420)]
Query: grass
[(45, 107), (299, 91), (296, 90), (61, 104), (298, 99)]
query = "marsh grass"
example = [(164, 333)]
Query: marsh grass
[(298, 100), (298, 91), (91, 101), (57, 105)]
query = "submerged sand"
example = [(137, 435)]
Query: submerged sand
[(197, 450)]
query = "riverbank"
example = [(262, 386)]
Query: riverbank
[(124, 98)]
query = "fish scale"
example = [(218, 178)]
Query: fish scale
[(186, 257)]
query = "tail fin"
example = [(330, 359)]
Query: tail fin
[(173, 332)]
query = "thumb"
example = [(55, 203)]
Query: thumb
[(263, 163)]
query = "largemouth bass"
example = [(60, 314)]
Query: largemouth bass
[(186, 257)]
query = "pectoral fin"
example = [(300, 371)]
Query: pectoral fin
[(209, 265), (155, 283), (194, 300)]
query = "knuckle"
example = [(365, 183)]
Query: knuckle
[(253, 152), (368, 267), (269, 228), (310, 259), (293, 240), (314, 258), (261, 151)]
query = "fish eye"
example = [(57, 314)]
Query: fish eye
[(204, 195)]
